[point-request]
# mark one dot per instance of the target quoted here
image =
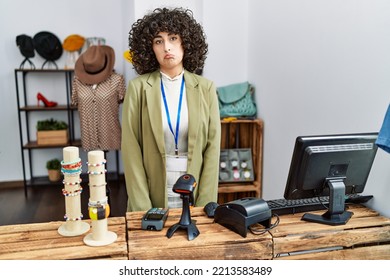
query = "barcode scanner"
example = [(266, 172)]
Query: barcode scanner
[(185, 186)]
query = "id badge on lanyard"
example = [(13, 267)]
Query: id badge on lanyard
[(177, 163)]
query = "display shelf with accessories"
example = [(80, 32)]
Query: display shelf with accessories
[(27, 105), (240, 178), (31, 104)]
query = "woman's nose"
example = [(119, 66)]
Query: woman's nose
[(167, 47)]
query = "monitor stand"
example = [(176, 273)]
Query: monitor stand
[(336, 214)]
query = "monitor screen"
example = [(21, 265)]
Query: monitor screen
[(330, 165)]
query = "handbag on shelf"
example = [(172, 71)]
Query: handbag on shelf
[(237, 100)]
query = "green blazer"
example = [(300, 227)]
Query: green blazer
[(143, 147)]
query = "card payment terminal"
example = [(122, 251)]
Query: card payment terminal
[(154, 218)]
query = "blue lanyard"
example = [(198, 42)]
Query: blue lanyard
[(175, 135)]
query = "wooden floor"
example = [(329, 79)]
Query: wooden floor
[(46, 203)]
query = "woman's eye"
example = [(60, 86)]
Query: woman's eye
[(173, 38), (157, 42)]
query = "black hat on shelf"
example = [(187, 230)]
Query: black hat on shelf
[(26, 46), (48, 46)]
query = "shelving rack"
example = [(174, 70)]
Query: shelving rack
[(24, 111), (243, 134)]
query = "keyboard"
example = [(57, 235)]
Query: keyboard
[(291, 206)]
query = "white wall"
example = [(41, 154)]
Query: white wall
[(319, 66), (226, 27)]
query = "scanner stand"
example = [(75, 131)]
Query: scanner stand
[(185, 221)]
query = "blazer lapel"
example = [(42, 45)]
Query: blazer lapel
[(153, 99), (193, 103)]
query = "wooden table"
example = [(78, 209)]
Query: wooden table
[(214, 242), (41, 241), (365, 236)]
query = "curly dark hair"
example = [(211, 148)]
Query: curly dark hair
[(175, 21)]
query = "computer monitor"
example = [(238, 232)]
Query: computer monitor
[(330, 165)]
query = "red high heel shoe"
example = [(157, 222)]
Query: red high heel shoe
[(46, 102)]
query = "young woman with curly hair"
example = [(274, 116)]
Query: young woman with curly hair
[(170, 118)]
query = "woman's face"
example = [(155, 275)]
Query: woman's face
[(169, 53)]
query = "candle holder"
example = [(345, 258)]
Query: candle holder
[(71, 169)]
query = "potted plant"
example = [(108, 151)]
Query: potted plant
[(52, 132), (53, 167)]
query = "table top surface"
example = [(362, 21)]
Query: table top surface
[(365, 236), (213, 242), (42, 241)]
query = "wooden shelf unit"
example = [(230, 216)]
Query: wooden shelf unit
[(243, 134), (25, 110)]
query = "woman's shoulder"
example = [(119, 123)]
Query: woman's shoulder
[(198, 79), (145, 78), (139, 78)]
